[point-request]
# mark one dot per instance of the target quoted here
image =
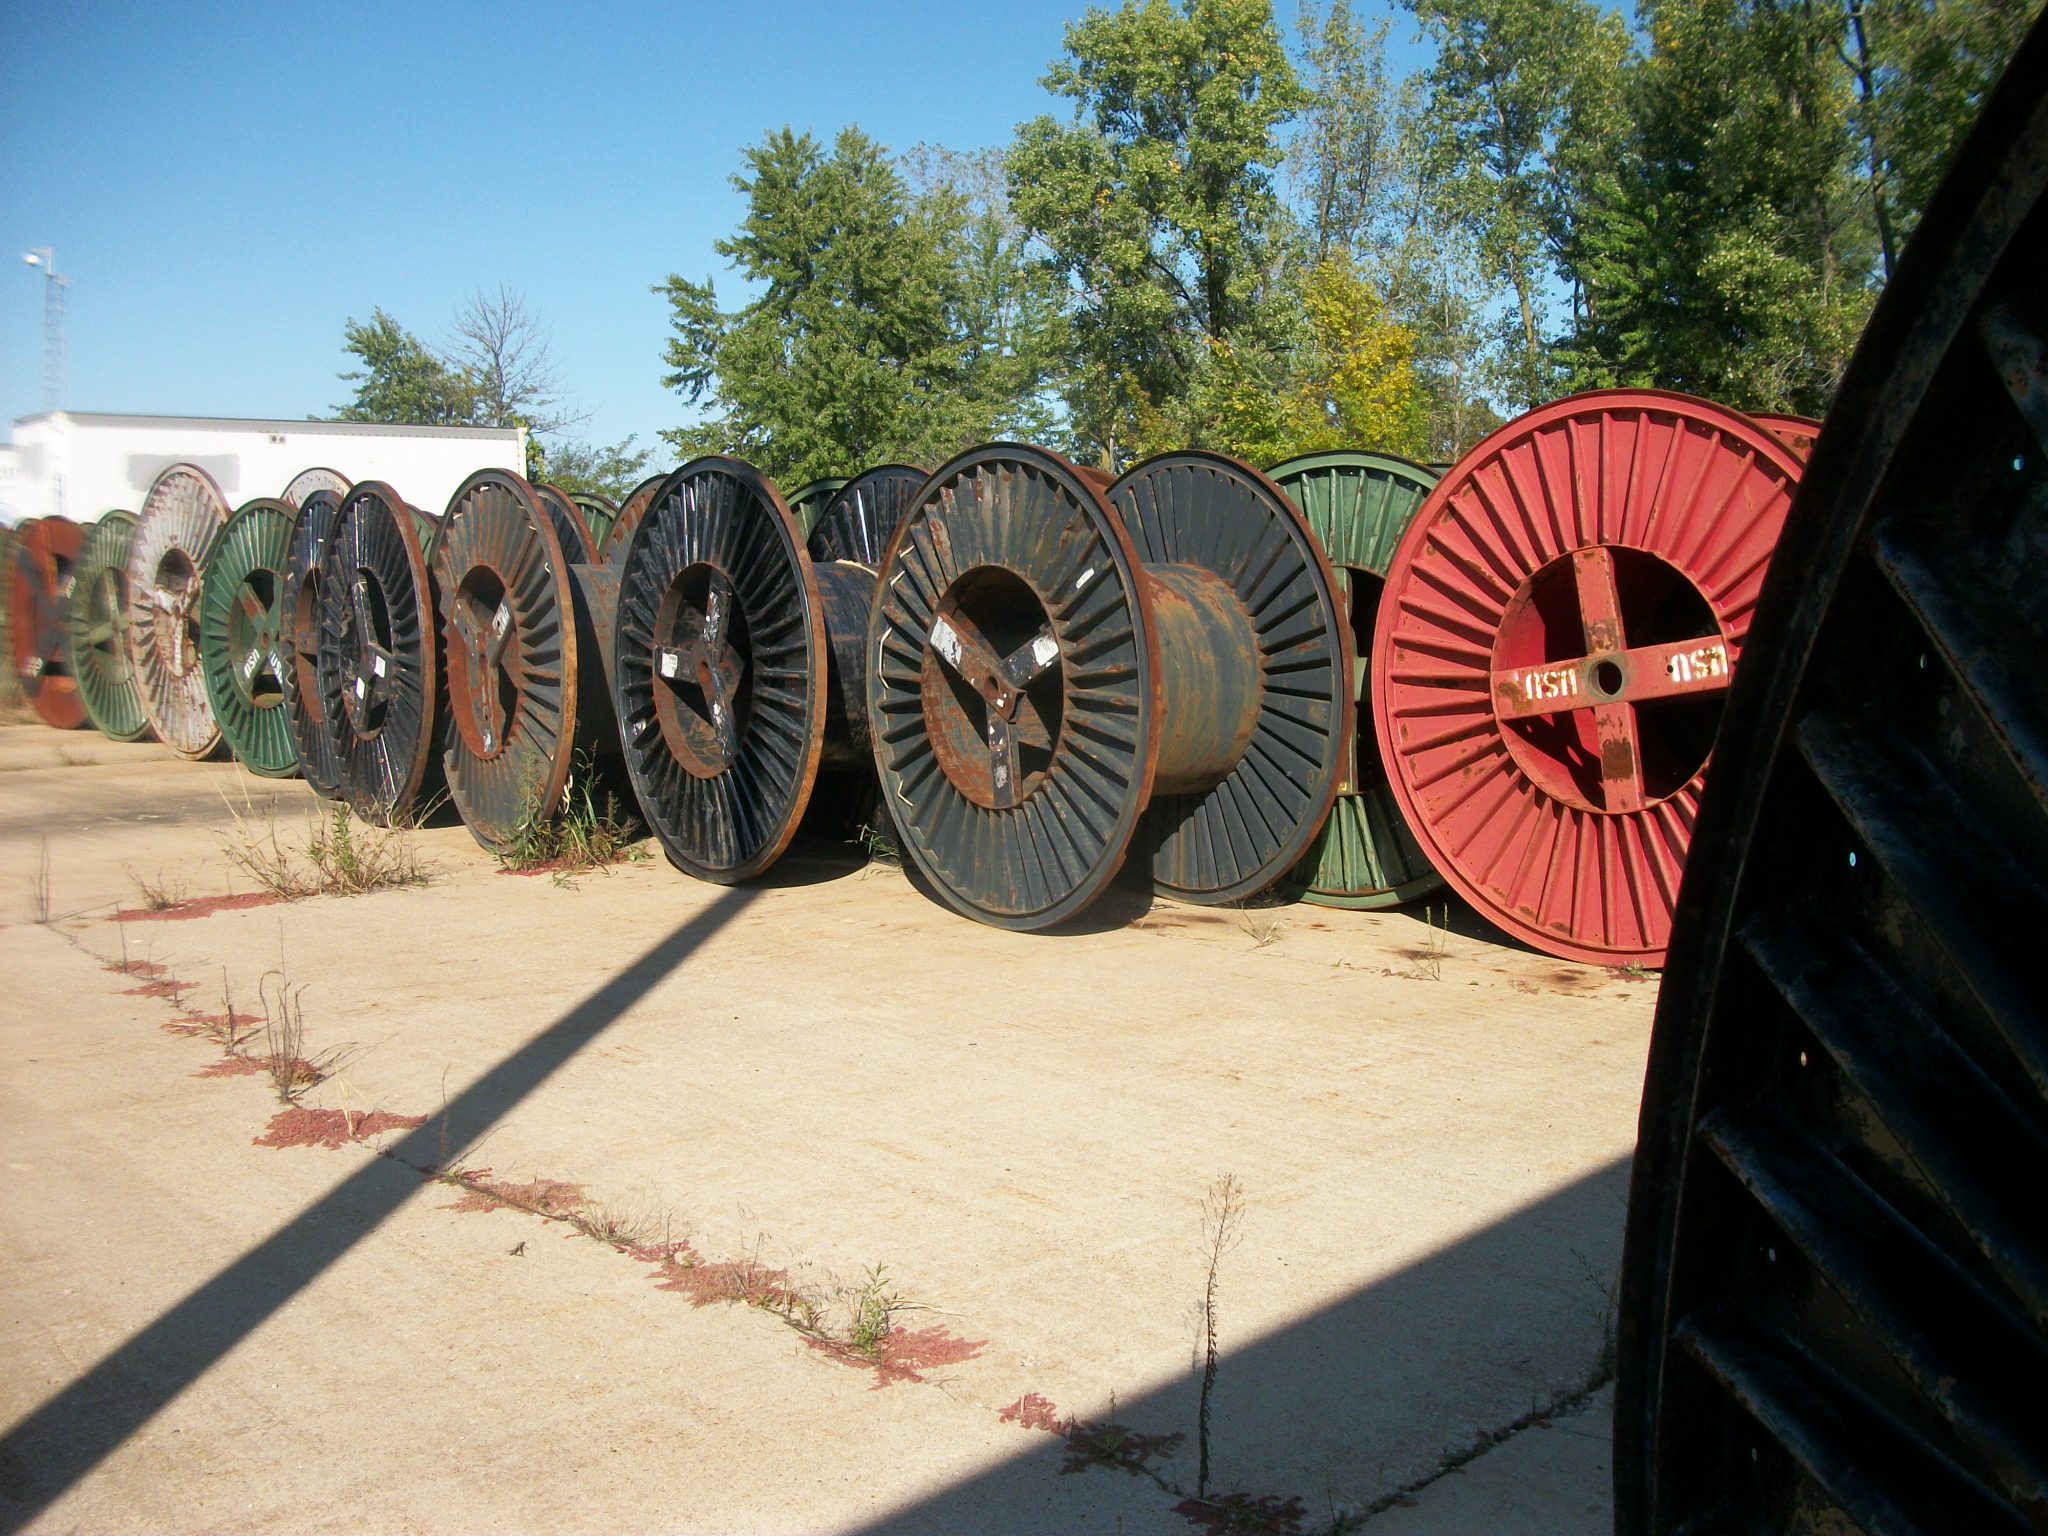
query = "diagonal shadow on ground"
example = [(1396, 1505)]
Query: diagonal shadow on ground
[(1449, 1345), (56, 1445)]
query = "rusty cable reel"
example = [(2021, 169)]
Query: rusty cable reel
[(571, 531), (307, 481), (1255, 668), (1834, 1294), (611, 550), (718, 666), (1553, 648), (312, 739), (45, 553), (96, 639), (245, 618), (181, 517), (1032, 681), (378, 666), (1359, 505), (10, 685), (527, 695)]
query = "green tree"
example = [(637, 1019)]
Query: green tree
[(871, 336), (1157, 206), (1732, 251), (402, 380), (592, 469), (1522, 115)]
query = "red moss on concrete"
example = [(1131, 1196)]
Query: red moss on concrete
[(198, 906), (905, 1353), (231, 1066), (133, 967), (331, 1128), (1230, 1513), (167, 986), (705, 1282), (541, 1197), (1033, 1411)]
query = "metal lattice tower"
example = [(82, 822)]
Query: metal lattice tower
[(53, 325)]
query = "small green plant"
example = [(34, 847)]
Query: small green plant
[(160, 894), (871, 1312), (582, 835), (878, 846), (1222, 1216), (340, 857)]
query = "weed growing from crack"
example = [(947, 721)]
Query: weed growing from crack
[(160, 894), (580, 836), (876, 844), (1222, 1219), (39, 892), (340, 857), (1608, 1314)]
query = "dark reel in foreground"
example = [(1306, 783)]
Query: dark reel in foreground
[(1834, 1298), (312, 738)]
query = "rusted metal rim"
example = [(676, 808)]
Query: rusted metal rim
[(1798, 433), (1013, 695), (720, 646), (571, 532), (613, 548), (244, 648), (307, 481), (510, 643), (1559, 626), (1834, 1299), (181, 517), (598, 514), (96, 642), (1359, 504), (378, 670), (858, 520), (46, 552), (312, 734), (1275, 691), (807, 502)]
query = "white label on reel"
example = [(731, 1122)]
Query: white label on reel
[(1045, 650), (946, 641)]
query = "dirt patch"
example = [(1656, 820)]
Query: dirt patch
[(331, 1128), (198, 906), (904, 1354)]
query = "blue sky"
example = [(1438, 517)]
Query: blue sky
[(225, 185)]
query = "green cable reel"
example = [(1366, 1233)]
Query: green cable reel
[(96, 631), (1359, 504), (808, 502), (242, 643)]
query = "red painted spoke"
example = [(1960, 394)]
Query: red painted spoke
[(1672, 670), (1621, 757), (1599, 600)]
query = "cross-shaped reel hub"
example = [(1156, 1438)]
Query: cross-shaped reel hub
[(703, 689), (991, 686)]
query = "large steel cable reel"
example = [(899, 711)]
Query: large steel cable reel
[(312, 736), (97, 640), (44, 555), (320, 478), (1556, 637), (244, 636), (180, 518), (1359, 505), (1254, 736), (378, 664), (718, 666), (10, 685), (526, 687), (1834, 1296)]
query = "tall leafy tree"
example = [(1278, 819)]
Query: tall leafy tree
[(591, 468), (1523, 113), (402, 379), (1156, 204), (870, 337)]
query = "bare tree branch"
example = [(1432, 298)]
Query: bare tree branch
[(504, 347)]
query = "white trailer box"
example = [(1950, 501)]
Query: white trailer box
[(82, 463)]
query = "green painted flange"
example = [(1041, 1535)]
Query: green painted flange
[(1359, 504), (96, 633), (599, 513), (242, 646), (808, 503)]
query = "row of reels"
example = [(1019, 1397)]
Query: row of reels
[(1348, 673)]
